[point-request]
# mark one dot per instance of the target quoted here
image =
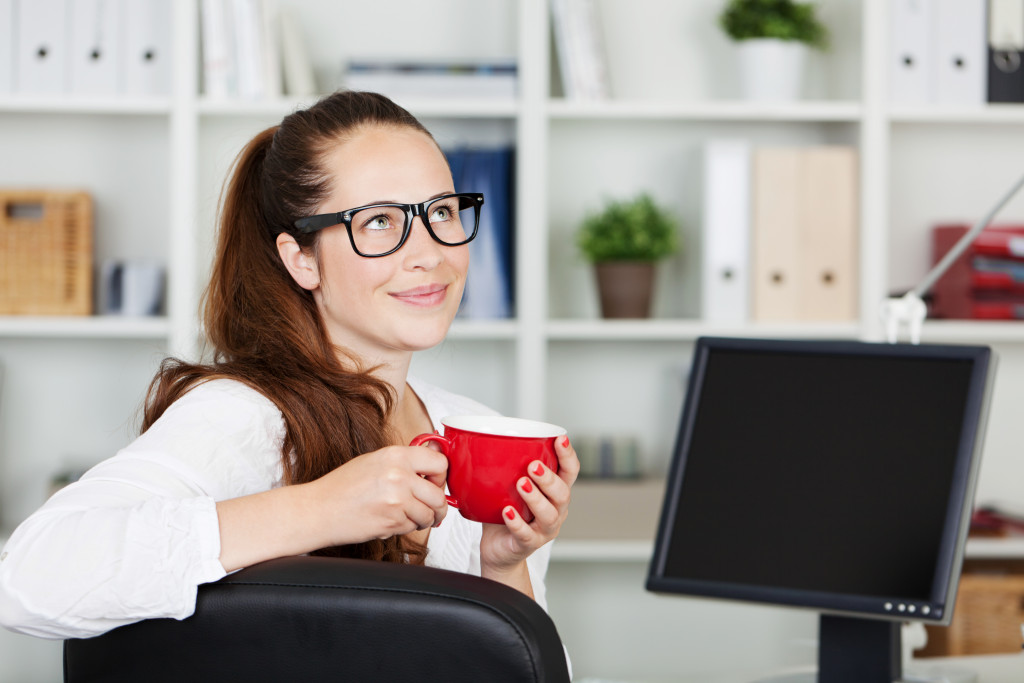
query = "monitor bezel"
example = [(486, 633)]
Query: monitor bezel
[(955, 528)]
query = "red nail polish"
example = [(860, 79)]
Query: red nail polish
[(527, 486), (565, 442), (539, 470), (510, 513)]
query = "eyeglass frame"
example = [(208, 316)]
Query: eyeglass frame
[(312, 224)]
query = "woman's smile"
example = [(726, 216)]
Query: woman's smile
[(426, 296)]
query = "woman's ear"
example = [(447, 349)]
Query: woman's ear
[(301, 266)]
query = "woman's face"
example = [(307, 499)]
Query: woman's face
[(404, 301)]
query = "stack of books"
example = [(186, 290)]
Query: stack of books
[(987, 281), (488, 79)]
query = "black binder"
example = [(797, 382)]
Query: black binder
[(1005, 75)]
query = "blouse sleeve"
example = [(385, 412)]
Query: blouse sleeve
[(136, 536)]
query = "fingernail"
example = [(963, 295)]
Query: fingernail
[(526, 485), (565, 442), (539, 469), (510, 512)]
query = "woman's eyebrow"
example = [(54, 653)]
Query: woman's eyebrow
[(395, 201)]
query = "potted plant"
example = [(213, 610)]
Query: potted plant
[(624, 241), (774, 38)]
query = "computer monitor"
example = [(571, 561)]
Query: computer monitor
[(831, 475)]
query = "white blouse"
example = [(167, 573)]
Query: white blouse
[(138, 533)]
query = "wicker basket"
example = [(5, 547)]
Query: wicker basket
[(45, 253), (987, 618)]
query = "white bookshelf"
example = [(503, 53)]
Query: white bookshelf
[(657, 113), (156, 167)]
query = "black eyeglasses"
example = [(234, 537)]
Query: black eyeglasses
[(382, 229)]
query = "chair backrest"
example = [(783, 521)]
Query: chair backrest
[(313, 618)]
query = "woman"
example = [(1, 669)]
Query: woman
[(292, 440)]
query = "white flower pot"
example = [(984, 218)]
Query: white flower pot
[(772, 69)]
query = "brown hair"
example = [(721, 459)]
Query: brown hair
[(265, 330)]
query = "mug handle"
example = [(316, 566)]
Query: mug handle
[(444, 445)]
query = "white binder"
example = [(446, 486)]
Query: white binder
[(147, 47), (42, 48), (7, 40), (725, 280), (961, 52), (95, 36), (910, 51)]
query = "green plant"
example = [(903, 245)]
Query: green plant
[(628, 230), (783, 19)]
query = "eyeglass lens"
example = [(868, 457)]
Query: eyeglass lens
[(379, 229)]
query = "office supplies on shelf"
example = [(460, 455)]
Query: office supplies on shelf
[(46, 240), (975, 274), (42, 47), (910, 51), (961, 53), (131, 288), (1005, 51), (909, 310), (725, 277), (831, 476)]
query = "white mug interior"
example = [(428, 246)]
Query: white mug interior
[(503, 426)]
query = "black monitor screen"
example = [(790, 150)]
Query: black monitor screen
[(831, 475)]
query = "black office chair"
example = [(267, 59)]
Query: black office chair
[(314, 619)]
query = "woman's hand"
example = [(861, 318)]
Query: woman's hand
[(394, 490), (389, 492), (504, 548)]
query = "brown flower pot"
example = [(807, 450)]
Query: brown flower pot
[(625, 288)]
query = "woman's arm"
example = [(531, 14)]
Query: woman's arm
[(389, 492), (136, 536)]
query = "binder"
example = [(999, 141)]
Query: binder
[(489, 284), (776, 234), (42, 47), (219, 70), (296, 66), (95, 61), (248, 29), (828, 233), (725, 290), (147, 47), (7, 48), (1005, 51), (961, 55), (910, 51), (270, 39), (581, 49)]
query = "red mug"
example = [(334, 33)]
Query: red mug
[(487, 456)]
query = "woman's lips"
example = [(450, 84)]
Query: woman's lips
[(427, 295)]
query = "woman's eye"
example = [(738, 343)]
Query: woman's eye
[(378, 223), (441, 213)]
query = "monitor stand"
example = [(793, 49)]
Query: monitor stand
[(856, 650)]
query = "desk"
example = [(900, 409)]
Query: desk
[(989, 669)]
